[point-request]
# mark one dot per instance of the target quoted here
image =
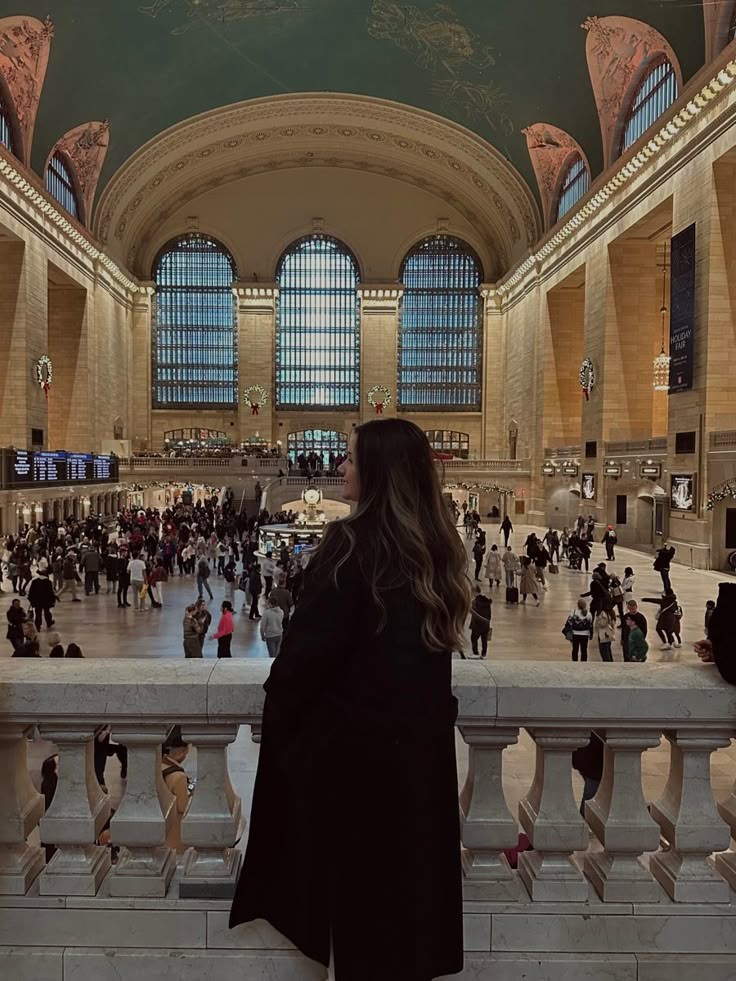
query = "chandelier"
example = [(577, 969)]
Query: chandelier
[(661, 380)]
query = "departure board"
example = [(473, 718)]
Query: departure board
[(80, 467), (49, 468), (26, 468)]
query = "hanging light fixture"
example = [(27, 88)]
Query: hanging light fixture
[(661, 379)]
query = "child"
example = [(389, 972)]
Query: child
[(709, 607), (272, 626), (676, 629), (637, 644)]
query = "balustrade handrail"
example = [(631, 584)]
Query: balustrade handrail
[(724, 438), (657, 444), (256, 464), (563, 452), (513, 466)]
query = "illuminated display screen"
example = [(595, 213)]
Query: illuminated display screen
[(25, 468)]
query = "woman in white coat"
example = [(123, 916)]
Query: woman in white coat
[(493, 566)]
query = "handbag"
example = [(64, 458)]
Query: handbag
[(567, 630), (143, 591), (553, 569)]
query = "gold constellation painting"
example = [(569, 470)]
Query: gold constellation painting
[(218, 11)]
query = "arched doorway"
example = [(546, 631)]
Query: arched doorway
[(323, 442)]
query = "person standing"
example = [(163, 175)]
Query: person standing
[(123, 579), (205, 619), (42, 598), (268, 570), (224, 633), (284, 600), (16, 617), (588, 761), (479, 550), (662, 564), (272, 625), (70, 576), (91, 564), (604, 630), (678, 625), (111, 569), (480, 622), (511, 566), (173, 753), (362, 688), (506, 530), (203, 575), (636, 616), (628, 583), (493, 566), (255, 588), (137, 573), (609, 540), (637, 643), (579, 630)]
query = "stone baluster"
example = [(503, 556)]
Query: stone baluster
[(142, 821), (212, 823), (75, 818), (687, 815), (256, 728), (488, 826), (551, 818), (620, 820), (20, 810), (726, 861)]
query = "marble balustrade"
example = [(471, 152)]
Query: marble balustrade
[(627, 851)]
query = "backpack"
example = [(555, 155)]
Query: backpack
[(203, 569)]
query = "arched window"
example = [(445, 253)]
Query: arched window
[(323, 442), (575, 184), (7, 125), (60, 184), (194, 344), (449, 441), (440, 337), (655, 93), (317, 326), (732, 28)]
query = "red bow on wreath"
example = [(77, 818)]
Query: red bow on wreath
[(379, 408), (254, 408), (46, 387)]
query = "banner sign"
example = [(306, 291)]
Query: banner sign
[(682, 310)]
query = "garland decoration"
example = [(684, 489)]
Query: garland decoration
[(256, 396), (44, 373), (483, 488), (587, 377), (724, 491), (383, 400)]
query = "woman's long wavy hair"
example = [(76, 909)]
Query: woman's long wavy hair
[(402, 533)]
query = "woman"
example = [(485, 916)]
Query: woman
[(224, 633), (493, 566), (666, 617), (528, 583), (359, 713), (628, 583), (272, 626), (579, 630), (605, 632)]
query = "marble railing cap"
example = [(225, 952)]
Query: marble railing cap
[(501, 692)]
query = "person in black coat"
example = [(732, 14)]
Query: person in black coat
[(16, 617), (358, 741), (123, 579), (42, 598), (255, 588), (662, 564), (719, 647)]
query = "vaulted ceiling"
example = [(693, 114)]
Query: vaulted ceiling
[(495, 67)]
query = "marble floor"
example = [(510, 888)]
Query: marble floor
[(519, 632)]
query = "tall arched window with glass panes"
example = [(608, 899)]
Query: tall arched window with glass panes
[(575, 183), (8, 125), (654, 94), (61, 185), (194, 343), (440, 332), (318, 326)]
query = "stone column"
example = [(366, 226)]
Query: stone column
[(213, 822), (620, 820), (551, 818), (140, 824), (257, 357), (488, 827), (140, 368), (379, 331), (77, 814), (20, 810), (687, 815), (494, 378)]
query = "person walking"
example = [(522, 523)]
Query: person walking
[(203, 576), (224, 633), (42, 598), (667, 603), (70, 576), (494, 566), (598, 593), (480, 622), (156, 579), (609, 540), (605, 633), (541, 561), (662, 564), (272, 625), (137, 573), (528, 582), (123, 579), (506, 530), (511, 566), (479, 550), (284, 600), (628, 583), (91, 564), (678, 625), (16, 617), (367, 625), (579, 630), (255, 588)]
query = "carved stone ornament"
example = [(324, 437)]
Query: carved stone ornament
[(86, 147), (550, 149), (24, 55)]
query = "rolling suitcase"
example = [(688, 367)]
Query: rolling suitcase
[(553, 569), (512, 594)]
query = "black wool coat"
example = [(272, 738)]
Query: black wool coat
[(354, 833)]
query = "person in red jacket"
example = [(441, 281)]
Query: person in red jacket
[(225, 627)]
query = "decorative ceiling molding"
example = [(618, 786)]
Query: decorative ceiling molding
[(24, 56), (86, 148), (318, 130), (717, 18), (550, 149), (618, 49)]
